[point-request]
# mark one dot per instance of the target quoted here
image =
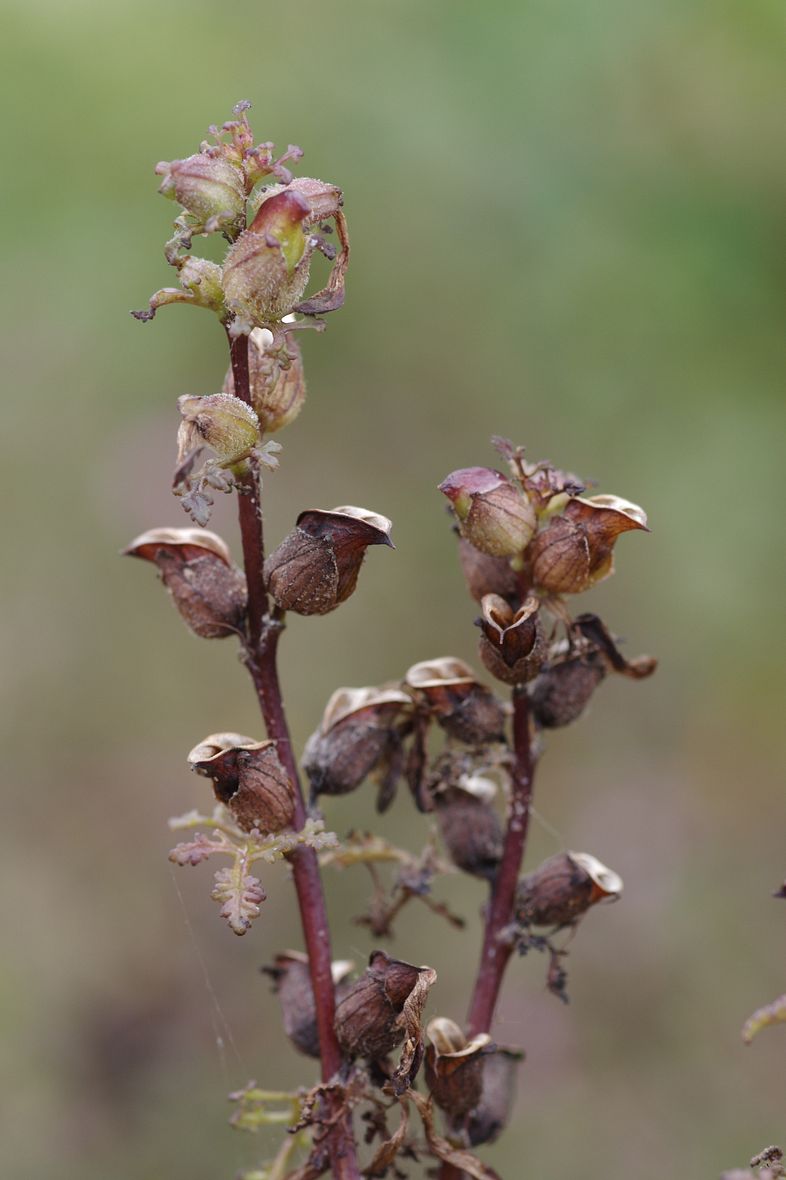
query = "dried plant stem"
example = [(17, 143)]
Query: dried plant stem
[(261, 651), (497, 947)]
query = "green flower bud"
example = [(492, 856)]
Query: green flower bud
[(222, 422), (267, 269), (208, 187)]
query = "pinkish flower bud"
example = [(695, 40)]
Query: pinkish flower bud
[(563, 888), (464, 708), (493, 514), (454, 1067), (266, 270), (248, 778), (316, 567), (276, 378), (208, 187), (197, 570), (292, 983), (358, 736), (575, 550), (511, 644)]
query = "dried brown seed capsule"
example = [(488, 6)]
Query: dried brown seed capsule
[(266, 270), (276, 379), (292, 983), (563, 888), (316, 567), (463, 707), (471, 830), (498, 1090), (454, 1067), (197, 570), (487, 575), (382, 1007), (511, 644), (248, 778), (357, 736), (493, 513), (561, 693), (575, 550)]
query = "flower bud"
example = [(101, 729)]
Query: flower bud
[(383, 1007), (248, 778), (493, 514), (463, 707), (470, 828), (511, 644), (267, 269), (498, 1090), (316, 567), (292, 983), (208, 187), (276, 378), (225, 424), (197, 570), (357, 736), (575, 550), (487, 575), (563, 888), (454, 1067)]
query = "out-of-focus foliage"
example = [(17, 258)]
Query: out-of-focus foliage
[(567, 223)]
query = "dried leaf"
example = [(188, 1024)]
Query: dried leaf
[(465, 1161), (388, 1151)]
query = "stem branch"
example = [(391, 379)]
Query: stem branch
[(497, 947), (261, 648)]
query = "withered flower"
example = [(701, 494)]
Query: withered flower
[(382, 1009), (492, 512), (469, 825), (461, 705), (248, 778), (575, 550), (316, 567), (357, 736), (454, 1067), (292, 983), (197, 570), (487, 575), (266, 270), (498, 1090), (563, 888), (511, 644), (276, 379)]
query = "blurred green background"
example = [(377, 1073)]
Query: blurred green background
[(567, 222)]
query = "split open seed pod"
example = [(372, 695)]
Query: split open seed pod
[(292, 983), (316, 567), (450, 691), (359, 735), (197, 570), (563, 888), (248, 778), (454, 1067), (511, 642)]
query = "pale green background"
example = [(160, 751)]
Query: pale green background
[(567, 220)]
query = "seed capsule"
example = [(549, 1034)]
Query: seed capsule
[(563, 888), (266, 270), (498, 1090), (463, 707), (575, 550), (454, 1067), (292, 983), (276, 378), (471, 830), (382, 1007), (248, 778), (197, 570), (208, 187), (511, 644), (316, 567)]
